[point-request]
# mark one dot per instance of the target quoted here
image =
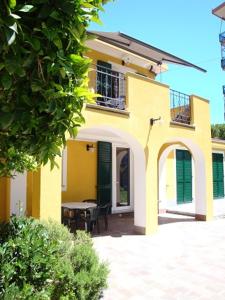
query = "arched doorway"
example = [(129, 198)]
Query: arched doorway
[(198, 207), (119, 138)]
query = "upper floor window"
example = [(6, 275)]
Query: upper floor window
[(111, 85)]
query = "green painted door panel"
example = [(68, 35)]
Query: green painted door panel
[(218, 175), (184, 176), (104, 173)]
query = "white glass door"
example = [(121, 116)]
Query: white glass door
[(122, 196)]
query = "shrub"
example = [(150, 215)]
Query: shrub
[(41, 260), (218, 131)]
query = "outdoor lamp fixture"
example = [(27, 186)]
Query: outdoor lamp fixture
[(152, 120), (90, 147), (125, 60)]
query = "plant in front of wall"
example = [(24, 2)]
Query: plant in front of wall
[(45, 261), (43, 78), (218, 131)]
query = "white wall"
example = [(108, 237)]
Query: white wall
[(18, 194)]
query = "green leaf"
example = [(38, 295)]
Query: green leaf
[(62, 72), (15, 16), (2, 65), (58, 43), (35, 43), (10, 36), (14, 27), (6, 120), (77, 59), (12, 3), (6, 81), (87, 5), (55, 15), (96, 20), (26, 8)]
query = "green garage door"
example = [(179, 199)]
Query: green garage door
[(184, 176), (218, 180)]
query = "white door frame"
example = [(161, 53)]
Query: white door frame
[(18, 194), (121, 209)]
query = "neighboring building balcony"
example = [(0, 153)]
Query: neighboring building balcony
[(222, 38), (110, 85), (180, 107), (222, 42)]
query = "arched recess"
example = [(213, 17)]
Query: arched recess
[(199, 169), (106, 133)]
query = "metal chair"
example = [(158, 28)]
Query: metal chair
[(91, 219), (104, 212)]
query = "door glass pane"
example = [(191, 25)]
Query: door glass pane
[(122, 177)]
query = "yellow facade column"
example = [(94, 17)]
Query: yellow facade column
[(4, 198), (46, 198)]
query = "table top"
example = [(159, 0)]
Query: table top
[(79, 205)]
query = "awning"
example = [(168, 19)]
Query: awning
[(140, 48), (219, 11)]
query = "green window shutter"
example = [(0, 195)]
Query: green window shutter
[(104, 173), (184, 176), (218, 175), (180, 176)]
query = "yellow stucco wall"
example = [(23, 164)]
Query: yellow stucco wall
[(4, 198), (46, 193), (170, 177), (218, 145), (29, 193), (146, 99), (150, 99), (81, 172)]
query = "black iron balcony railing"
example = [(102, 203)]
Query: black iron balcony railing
[(180, 107), (110, 85)]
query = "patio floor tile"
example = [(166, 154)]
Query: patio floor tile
[(185, 260)]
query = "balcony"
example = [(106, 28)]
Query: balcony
[(110, 84), (180, 107), (222, 38)]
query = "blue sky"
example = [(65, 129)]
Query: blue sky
[(184, 28)]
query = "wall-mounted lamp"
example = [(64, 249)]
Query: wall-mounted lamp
[(90, 147), (125, 60), (152, 120), (151, 68)]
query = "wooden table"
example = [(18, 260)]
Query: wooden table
[(82, 206)]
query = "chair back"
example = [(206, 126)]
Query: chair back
[(94, 213), (90, 201), (104, 209)]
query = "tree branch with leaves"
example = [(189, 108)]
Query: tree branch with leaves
[(43, 78)]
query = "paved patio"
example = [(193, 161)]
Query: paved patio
[(185, 260)]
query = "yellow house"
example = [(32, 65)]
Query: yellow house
[(144, 148)]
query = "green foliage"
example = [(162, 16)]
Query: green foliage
[(43, 78), (44, 261), (218, 131)]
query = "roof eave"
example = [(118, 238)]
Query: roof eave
[(177, 59), (174, 59), (217, 9)]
